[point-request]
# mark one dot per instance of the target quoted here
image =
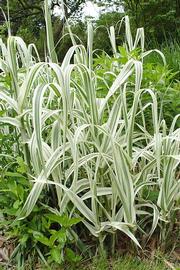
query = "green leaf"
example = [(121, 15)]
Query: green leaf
[(62, 220), (24, 239), (22, 166), (16, 204), (71, 256), (41, 238), (56, 256)]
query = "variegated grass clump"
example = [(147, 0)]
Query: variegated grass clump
[(96, 155)]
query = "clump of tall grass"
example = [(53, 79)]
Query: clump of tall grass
[(92, 150)]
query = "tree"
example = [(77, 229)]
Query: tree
[(160, 18), (102, 25), (27, 16), (23, 11), (68, 9)]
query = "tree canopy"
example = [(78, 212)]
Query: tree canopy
[(160, 18)]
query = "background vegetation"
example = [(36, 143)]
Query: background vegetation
[(89, 136)]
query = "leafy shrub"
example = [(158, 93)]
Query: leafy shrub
[(46, 234)]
